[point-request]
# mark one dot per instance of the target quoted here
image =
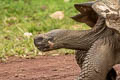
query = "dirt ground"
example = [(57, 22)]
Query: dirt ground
[(62, 67)]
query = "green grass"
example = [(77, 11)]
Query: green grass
[(20, 16)]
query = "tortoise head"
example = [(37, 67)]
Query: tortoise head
[(51, 40), (56, 39), (45, 42)]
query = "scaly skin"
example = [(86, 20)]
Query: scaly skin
[(80, 58), (92, 68)]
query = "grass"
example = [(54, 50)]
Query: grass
[(20, 16)]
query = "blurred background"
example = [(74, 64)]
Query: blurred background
[(22, 20)]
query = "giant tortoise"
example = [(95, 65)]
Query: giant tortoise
[(97, 49)]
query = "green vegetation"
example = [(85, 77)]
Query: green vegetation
[(20, 16)]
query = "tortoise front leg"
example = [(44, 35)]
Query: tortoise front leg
[(98, 62), (80, 56)]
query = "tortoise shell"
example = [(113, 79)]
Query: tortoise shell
[(110, 10), (89, 12)]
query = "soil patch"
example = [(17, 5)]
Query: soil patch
[(62, 67)]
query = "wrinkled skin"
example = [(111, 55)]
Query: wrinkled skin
[(95, 47)]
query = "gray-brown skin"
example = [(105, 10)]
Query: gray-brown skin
[(99, 44)]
